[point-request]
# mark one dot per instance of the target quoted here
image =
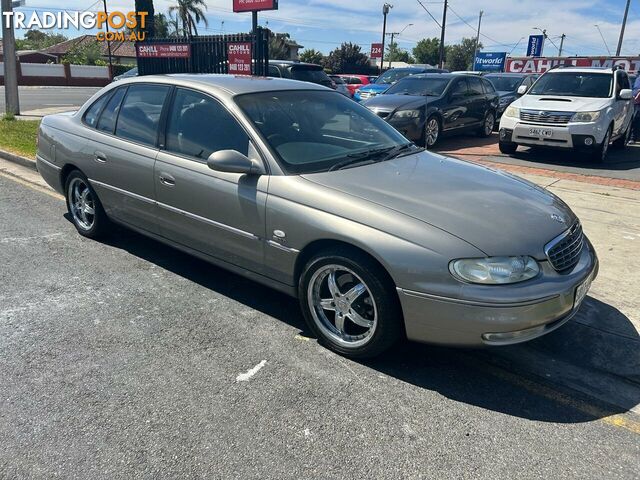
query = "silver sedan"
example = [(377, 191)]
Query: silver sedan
[(299, 188)]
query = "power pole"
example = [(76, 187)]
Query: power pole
[(12, 99), (624, 25), (385, 11), (562, 37), (444, 24), (392, 35), (477, 39), (108, 42)]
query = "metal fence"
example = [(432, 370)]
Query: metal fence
[(208, 54)]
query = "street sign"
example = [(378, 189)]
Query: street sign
[(254, 5), (239, 56), (489, 61), (163, 50), (536, 45), (376, 50)]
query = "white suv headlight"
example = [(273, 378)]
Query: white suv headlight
[(495, 270), (585, 117), (512, 112)]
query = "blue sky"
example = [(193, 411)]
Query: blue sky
[(324, 24)]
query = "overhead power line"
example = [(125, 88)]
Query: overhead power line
[(429, 13)]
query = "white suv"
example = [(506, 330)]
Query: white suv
[(574, 108)]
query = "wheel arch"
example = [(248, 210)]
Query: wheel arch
[(65, 172)]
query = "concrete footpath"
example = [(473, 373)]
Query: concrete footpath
[(598, 353)]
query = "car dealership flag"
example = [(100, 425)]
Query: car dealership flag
[(489, 61), (536, 45)]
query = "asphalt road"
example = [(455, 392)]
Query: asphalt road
[(49, 98), (123, 359)]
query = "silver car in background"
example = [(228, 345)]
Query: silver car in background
[(297, 187)]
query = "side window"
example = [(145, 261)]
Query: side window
[(91, 116), (140, 113), (274, 72), (199, 126), (355, 81), (460, 88), (107, 121), (623, 81), (475, 86), (488, 86)]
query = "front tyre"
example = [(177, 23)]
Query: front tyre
[(431, 132), (599, 154), (349, 303), (507, 148), (84, 207)]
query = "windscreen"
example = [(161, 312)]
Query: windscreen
[(424, 86), (505, 83), (313, 131), (393, 75), (574, 84)]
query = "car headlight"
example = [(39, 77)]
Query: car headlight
[(513, 112), (407, 114), (585, 117), (495, 270)]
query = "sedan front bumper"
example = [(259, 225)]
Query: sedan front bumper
[(458, 322)]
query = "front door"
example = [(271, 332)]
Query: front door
[(220, 214)]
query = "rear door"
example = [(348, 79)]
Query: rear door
[(478, 104), (217, 213), (456, 110), (123, 148)]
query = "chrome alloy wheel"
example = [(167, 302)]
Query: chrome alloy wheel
[(82, 204), (432, 132), (342, 305)]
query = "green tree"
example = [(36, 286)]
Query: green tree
[(427, 51), (460, 56), (312, 56), (84, 53), (146, 6), (190, 13), (161, 25), (396, 54), (278, 49), (347, 58), (37, 40)]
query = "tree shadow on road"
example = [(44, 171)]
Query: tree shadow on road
[(511, 380)]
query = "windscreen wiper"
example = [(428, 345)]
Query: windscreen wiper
[(401, 151), (360, 157)]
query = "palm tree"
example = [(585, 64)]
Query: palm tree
[(191, 12)]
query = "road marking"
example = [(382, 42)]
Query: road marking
[(598, 413), (31, 185), (244, 377)]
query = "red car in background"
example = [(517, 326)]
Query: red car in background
[(354, 82)]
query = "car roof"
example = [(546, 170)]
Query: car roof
[(293, 63), (602, 70), (510, 74), (230, 84), (437, 75)]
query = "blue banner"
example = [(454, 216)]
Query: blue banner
[(489, 61), (536, 45)]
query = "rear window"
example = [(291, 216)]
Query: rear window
[(91, 117), (310, 74), (107, 121), (140, 113)]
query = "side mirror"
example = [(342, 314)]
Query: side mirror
[(522, 89), (232, 161), (625, 94)]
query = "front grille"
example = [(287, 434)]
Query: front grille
[(564, 251), (544, 117)]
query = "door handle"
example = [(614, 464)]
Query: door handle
[(100, 157), (167, 179)]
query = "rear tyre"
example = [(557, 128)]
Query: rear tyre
[(349, 303), (508, 148), (488, 125), (599, 154), (84, 207)]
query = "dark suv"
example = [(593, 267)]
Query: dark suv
[(306, 72), (425, 107)]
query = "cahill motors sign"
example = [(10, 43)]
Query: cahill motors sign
[(542, 64), (489, 61)]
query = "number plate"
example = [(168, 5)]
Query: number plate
[(582, 290), (540, 132)]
